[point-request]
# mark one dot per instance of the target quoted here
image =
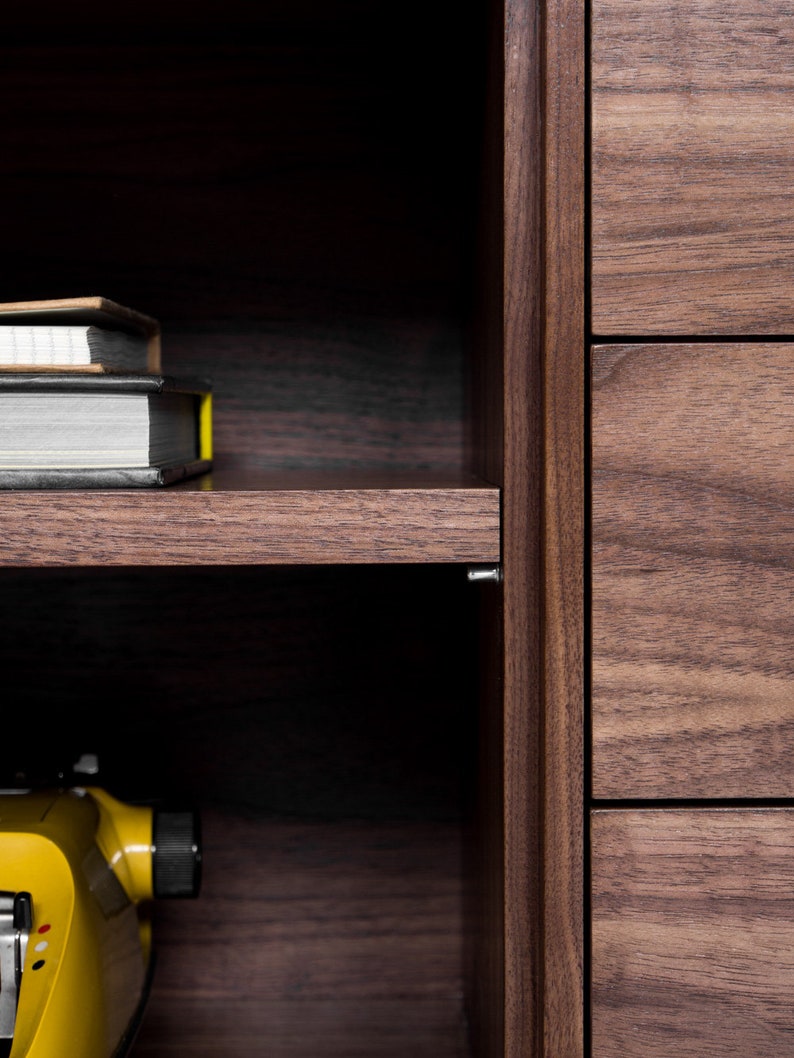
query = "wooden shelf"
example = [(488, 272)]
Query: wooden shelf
[(240, 517)]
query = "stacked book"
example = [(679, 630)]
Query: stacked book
[(84, 402)]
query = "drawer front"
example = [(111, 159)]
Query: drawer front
[(692, 156), (692, 933), (693, 570)]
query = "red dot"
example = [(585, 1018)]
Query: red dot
[(45, 928)]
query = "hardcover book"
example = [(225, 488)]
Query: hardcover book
[(67, 430), (80, 334)]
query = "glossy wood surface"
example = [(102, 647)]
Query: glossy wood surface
[(693, 517), (692, 933), (692, 148)]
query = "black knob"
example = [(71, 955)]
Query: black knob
[(176, 854)]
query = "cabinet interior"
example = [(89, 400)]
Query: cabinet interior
[(323, 721), (293, 193)]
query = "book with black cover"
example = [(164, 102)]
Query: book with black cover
[(102, 431)]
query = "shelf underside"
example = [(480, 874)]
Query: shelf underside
[(256, 519)]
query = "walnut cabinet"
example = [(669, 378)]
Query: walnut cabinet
[(340, 216), (498, 288)]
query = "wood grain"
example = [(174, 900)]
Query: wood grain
[(206, 523), (336, 939), (531, 433), (298, 212), (692, 147), (522, 697), (294, 210), (302, 1028), (338, 393), (563, 528), (693, 522), (487, 985), (693, 933)]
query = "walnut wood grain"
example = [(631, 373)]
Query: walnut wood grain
[(272, 188), (563, 527), (692, 147), (331, 393), (298, 213), (692, 933), (335, 939), (522, 695), (693, 522), (302, 1028), (487, 985), (532, 407), (256, 524)]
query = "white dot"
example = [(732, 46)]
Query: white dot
[(41, 946)]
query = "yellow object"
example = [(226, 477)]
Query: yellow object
[(76, 867), (205, 426)]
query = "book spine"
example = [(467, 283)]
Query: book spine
[(205, 426)]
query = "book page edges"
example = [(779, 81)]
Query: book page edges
[(98, 310)]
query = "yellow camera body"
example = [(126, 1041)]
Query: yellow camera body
[(78, 870)]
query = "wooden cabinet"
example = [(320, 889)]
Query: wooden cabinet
[(341, 221), (376, 240), (289, 644)]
